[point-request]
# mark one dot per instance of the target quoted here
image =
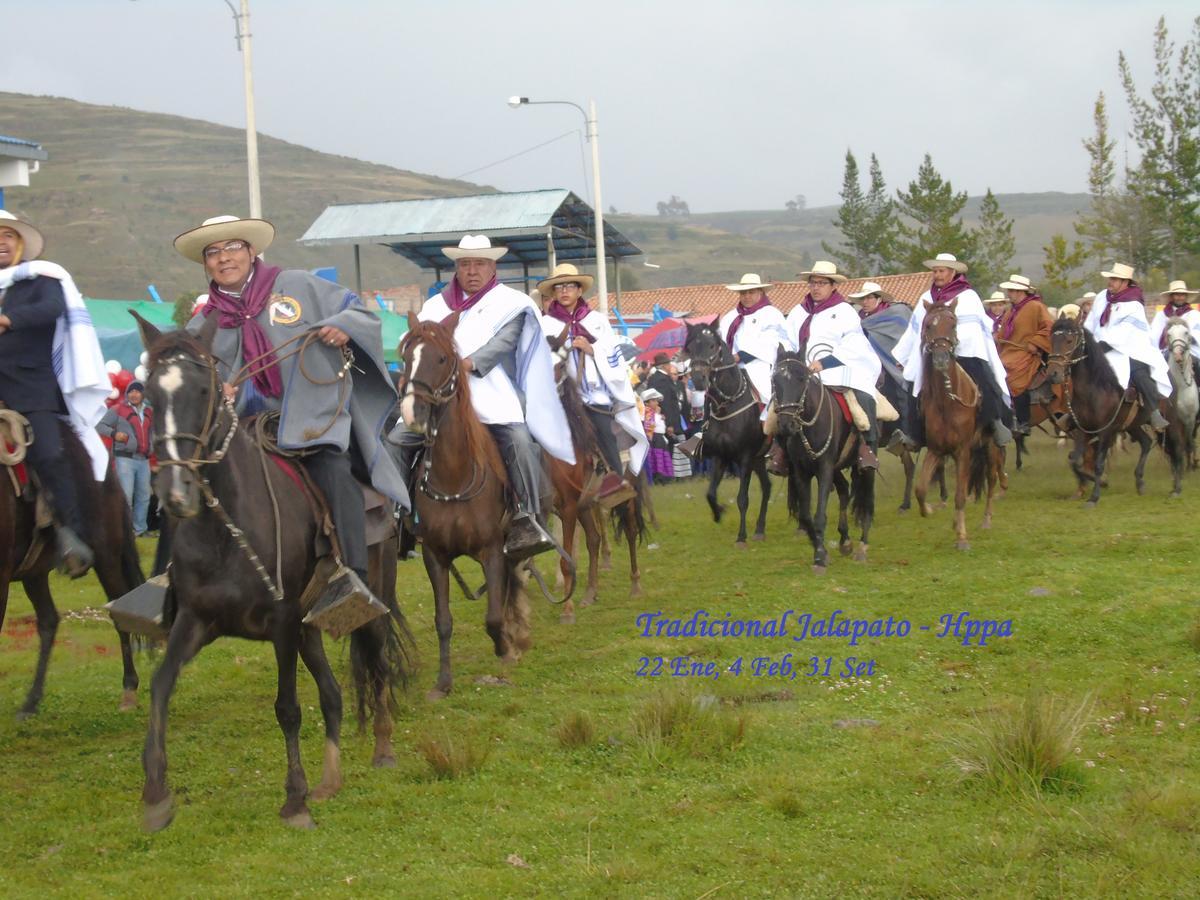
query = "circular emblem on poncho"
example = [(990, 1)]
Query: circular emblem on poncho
[(285, 311)]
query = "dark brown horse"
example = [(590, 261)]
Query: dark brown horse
[(1097, 407), (459, 499), (238, 569), (733, 433), (820, 443), (950, 403), (27, 556)]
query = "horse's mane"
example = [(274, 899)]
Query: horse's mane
[(1102, 373), (583, 433), (478, 440)]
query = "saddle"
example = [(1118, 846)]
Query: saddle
[(15, 437)]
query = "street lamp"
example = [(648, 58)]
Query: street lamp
[(593, 136), (242, 28)]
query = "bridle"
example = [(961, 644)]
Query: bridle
[(1067, 359), (1075, 353), (1184, 347), (795, 411), (945, 343), (212, 417), (711, 366)]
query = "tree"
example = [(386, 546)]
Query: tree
[(934, 225), (850, 255), (1096, 226), (1059, 284), (994, 246), (183, 309), (673, 207), (880, 226), (1166, 128), (796, 204)]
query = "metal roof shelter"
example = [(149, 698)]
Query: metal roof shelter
[(538, 227), (18, 160)]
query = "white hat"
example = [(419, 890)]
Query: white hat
[(946, 261), (750, 282), (869, 288), (1177, 287), (564, 273), (998, 297), (1120, 270), (475, 246), (1088, 295), (31, 238), (258, 233), (822, 268), (1017, 283), (1068, 311), (651, 394)]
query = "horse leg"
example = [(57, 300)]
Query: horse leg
[(495, 569), (38, 590), (632, 535), (187, 636), (1139, 470), (820, 554), (764, 484), (743, 505), (928, 465), (843, 492), (568, 515), (592, 528), (863, 499), (802, 485), (714, 481), (962, 460), (312, 651), (287, 713), (439, 579), (995, 475), (1098, 465), (910, 467), (118, 575)]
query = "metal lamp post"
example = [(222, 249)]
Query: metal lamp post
[(593, 136), (242, 25)]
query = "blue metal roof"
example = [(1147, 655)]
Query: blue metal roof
[(521, 221), (21, 149)]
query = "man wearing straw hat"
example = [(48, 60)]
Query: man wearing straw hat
[(975, 350), (499, 336), (259, 308), (884, 321), (1117, 321), (51, 368), (754, 329), (828, 330), (1023, 340), (1178, 304), (996, 306), (599, 372)]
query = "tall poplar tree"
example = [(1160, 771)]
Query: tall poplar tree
[(933, 220)]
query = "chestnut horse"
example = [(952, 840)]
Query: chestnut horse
[(950, 403)]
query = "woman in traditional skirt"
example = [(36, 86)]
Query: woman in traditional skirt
[(658, 461)]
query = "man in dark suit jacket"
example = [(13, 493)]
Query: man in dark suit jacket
[(662, 381), (29, 311)]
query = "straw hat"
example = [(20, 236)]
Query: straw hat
[(1120, 270), (1177, 287), (564, 274), (257, 232), (1017, 283), (998, 297), (869, 288), (750, 282), (1068, 311), (946, 261), (651, 394), (475, 246), (31, 238), (822, 268)]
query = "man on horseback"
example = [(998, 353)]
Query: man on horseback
[(836, 347), (754, 329), (330, 411), (975, 351), (884, 320), (1117, 321), (499, 337), (1023, 340), (598, 372), (44, 325), (1178, 305)]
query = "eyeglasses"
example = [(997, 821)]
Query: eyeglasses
[(231, 247), (566, 284), (819, 282)]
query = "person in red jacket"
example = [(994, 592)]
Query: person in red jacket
[(130, 426)]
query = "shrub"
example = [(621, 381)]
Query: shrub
[(576, 730), (675, 723), (450, 758)]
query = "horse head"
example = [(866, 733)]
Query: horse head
[(1179, 340), (193, 422), (704, 347), (939, 333), (433, 372), (1067, 346), (790, 379)]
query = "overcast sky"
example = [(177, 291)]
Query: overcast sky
[(730, 105)]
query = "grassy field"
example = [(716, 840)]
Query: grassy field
[(597, 782)]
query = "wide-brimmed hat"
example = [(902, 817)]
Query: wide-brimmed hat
[(31, 239), (1017, 283), (822, 268), (869, 288), (661, 359), (258, 233), (475, 246), (1120, 270), (750, 282), (564, 274), (998, 297), (1177, 287), (946, 261), (651, 394), (1068, 311)]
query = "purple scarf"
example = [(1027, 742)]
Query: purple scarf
[(457, 299), (879, 307), (812, 308), (1130, 294), (574, 318), (1171, 310), (944, 295), (242, 313), (742, 312), (1010, 323), (996, 320)]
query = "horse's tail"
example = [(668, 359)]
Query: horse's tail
[(977, 481), (862, 495), (382, 652), (620, 517)]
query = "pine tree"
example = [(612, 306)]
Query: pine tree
[(880, 227), (934, 211), (994, 246), (850, 220), (1059, 283)]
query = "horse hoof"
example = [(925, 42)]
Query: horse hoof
[(128, 701), (157, 816), (384, 761), (818, 570), (940, 505), (1175, 495), (605, 565), (437, 694), (302, 820), (566, 619), (1141, 489), (635, 589), (1091, 504), (741, 545), (845, 548), (963, 545), (589, 597), (25, 714), (902, 510), (985, 524), (758, 536), (926, 510), (860, 555), (324, 791)]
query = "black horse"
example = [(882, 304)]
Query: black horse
[(229, 555), (733, 434), (27, 555), (820, 443)]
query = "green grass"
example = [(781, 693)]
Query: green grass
[(678, 787)]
